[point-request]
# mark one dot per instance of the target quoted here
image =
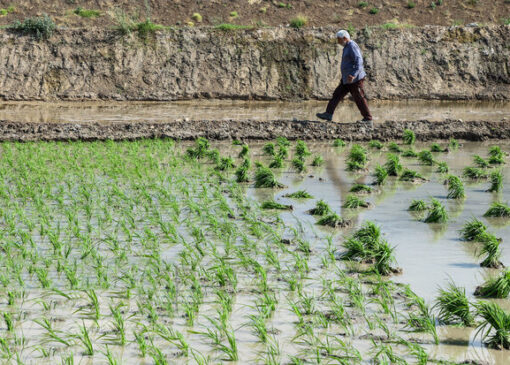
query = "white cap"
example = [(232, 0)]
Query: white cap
[(343, 34)]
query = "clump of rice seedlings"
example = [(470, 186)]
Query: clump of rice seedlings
[(353, 202), (498, 210), (496, 178), (408, 137), (318, 161), (418, 206), (264, 178), (375, 144), (496, 156), (244, 151), (422, 320), (242, 171), (426, 157), (299, 164), (214, 156), (302, 149), (282, 142), (283, 152), (480, 162), (474, 173), (357, 158), (411, 175), (490, 250), (453, 144), (434, 147), (321, 208), (275, 205), (380, 174), (495, 326), (455, 187), (338, 143), (333, 220), (495, 287), (276, 163), (409, 153), (201, 147), (269, 149), (442, 167), (360, 188), (393, 165), (393, 147), (454, 306), (437, 213), (300, 194), (237, 142), (226, 163), (472, 230)]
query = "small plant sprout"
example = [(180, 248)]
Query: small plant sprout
[(417, 206), (437, 213), (495, 326), (338, 143), (393, 147), (393, 165), (411, 175), (245, 151), (242, 171), (264, 178), (475, 173), (269, 149), (409, 153), (496, 156), (454, 306), (277, 163), (300, 194), (302, 149), (442, 167), (321, 208), (498, 210), (353, 202), (453, 144), (299, 164), (361, 188), (275, 205), (495, 287), (226, 163), (318, 161), (408, 137), (455, 187), (333, 220), (472, 230), (357, 158), (496, 178), (426, 157), (490, 251), (434, 147), (380, 174), (375, 144), (480, 162)]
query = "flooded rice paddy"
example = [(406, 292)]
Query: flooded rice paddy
[(151, 252)]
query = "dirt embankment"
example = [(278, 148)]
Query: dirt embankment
[(266, 63), (253, 130)]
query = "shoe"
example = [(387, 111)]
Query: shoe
[(325, 116), (368, 122)]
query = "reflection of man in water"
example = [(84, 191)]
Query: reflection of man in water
[(353, 76)]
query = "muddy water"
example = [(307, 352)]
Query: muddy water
[(257, 110), (429, 254)]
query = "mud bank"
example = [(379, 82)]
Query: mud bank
[(253, 130), (430, 62)]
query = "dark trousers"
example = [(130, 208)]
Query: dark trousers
[(358, 94)]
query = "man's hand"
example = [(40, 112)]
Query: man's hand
[(350, 79)]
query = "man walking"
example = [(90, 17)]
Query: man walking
[(353, 76)]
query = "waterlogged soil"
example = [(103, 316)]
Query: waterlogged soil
[(163, 241)]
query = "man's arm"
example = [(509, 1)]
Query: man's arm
[(357, 64)]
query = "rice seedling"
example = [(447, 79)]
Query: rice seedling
[(202, 146), (353, 202), (480, 162), (454, 306), (375, 144), (490, 250), (242, 171), (357, 158), (380, 174), (496, 179), (495, 326), (411, 175), (437, 213), (442, 167), (318, 161), (495, 287), (472, 230), (393, 147), (245, 151), (299, 164), (276, 163), (426, 157), (333, 220), (455, 187), (275, 205), (421, 320), (282, 142), (434, 147), (283, 152), (417, 206), (300, 194), (360, 188), (408, 137), (338, 143), (496, 156), (409, 153), (453, 144), (84, 338), (269, 149), (498, 210), (321, 208), (302, 149), (474, 173), (393, 165), (264, 178), (226, 163)]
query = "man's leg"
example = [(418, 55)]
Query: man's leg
[(338, 95), (358, 94)]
